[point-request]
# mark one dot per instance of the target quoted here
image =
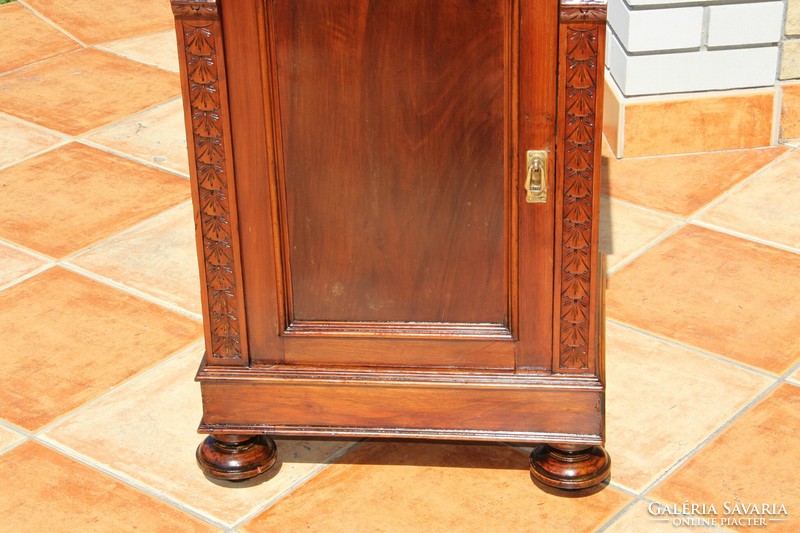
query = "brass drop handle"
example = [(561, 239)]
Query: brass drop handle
[(536, 177)]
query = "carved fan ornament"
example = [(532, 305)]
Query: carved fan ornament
[(195, 8), (580, 130), (212, 181)]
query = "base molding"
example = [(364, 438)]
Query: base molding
[(359, 403)]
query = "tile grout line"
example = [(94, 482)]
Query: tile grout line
[(738, 186), (135, 159), (643, 495), (299, 483), (40, 436), (197, 344), (81, 138), (135, 227), (645, 499), (102, 47), (29, 251), (135, 114), (650, 210), (712, 436), (28, 275), (51, 23), (34, 155), (745, 236), (639, 252), (66, 264), (694, 349), (691, 219), (33, 125), (684, 154), (129, 481), (197, 317)]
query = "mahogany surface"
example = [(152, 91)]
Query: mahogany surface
[(369, 262)]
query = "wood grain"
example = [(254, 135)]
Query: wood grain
[(393, 159)]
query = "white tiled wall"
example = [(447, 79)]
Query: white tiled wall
[(745, 23), (676, 46)]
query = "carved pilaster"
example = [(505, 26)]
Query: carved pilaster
[(581, 38), (208, 132)]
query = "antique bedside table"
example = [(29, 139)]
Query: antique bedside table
[(397, 207)]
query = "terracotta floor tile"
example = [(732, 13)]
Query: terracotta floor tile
[(408, 486), (637, 519), (754, 461), (73, 196), (80, 91), (650, 425), (795, 378), (625, 229), (688, 124), (8, 438), (18, 141), (96, 21), (15, 263), (158, 258), (159, 49), (767, 207), (790, 110), (73, 339), (147, 431), (46, 491), (719, 293), (33, 38), (157, 135), (681, 184)]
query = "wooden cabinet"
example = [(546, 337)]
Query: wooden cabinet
[(397, 213)]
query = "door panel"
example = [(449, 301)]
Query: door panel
[(397, 130), (392, 123)]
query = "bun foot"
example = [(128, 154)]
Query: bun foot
[(570, 467), (236, 457)]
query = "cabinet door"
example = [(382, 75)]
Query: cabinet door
[(399, 135)]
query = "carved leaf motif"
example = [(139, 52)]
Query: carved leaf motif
[(209, 150), (211, 177), (574, 313), (227, 347), (574, 291), (581, 75), (216, 228), (205, 124), (204, 97), (202, 70), (214, 204), (581, 106), (581, 46), (577, 263), (201, 63), (579, 186), (218, 252), (574, 335), (219, 280), (200, 40)]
